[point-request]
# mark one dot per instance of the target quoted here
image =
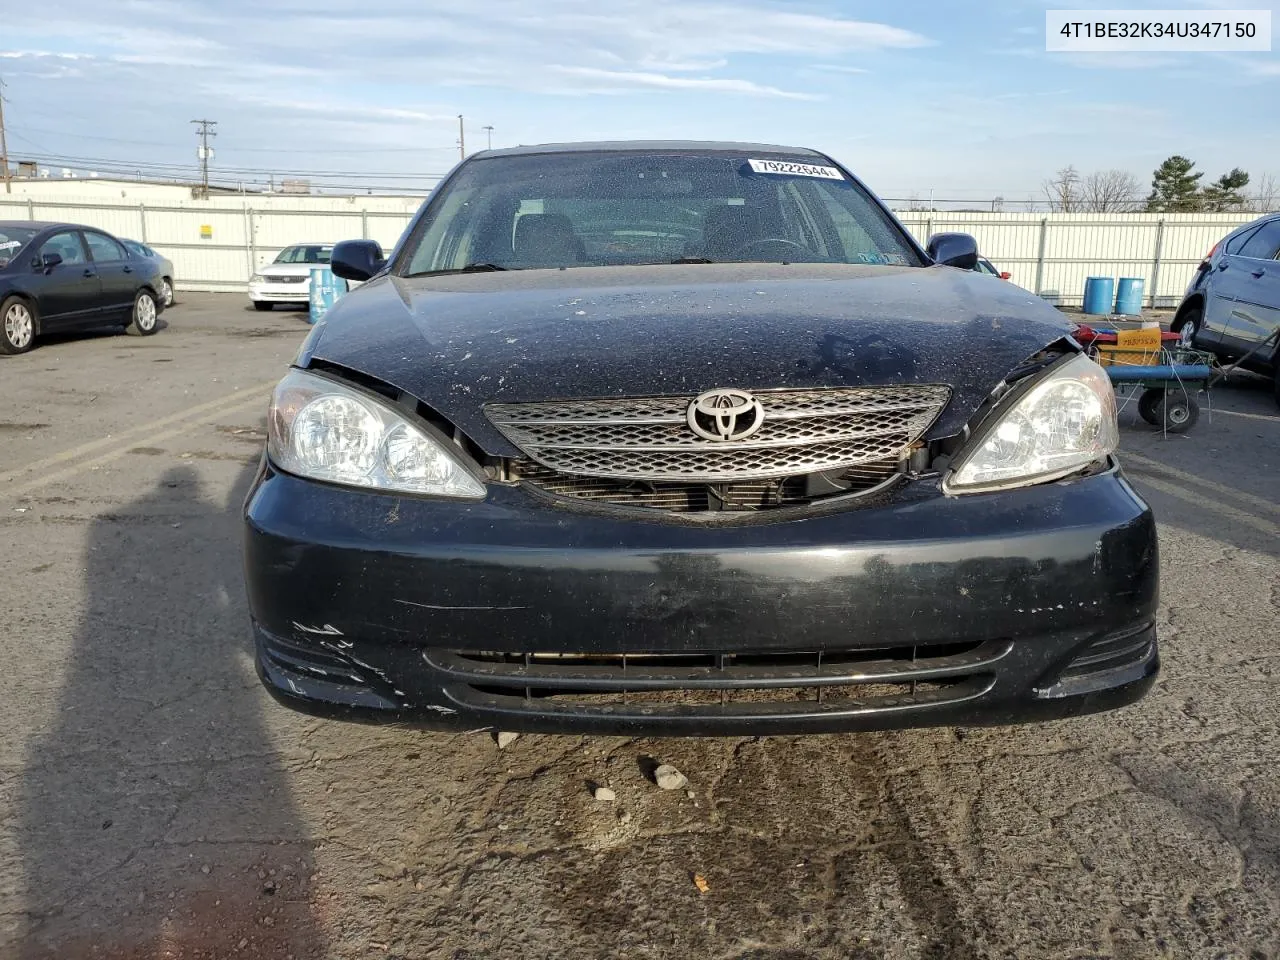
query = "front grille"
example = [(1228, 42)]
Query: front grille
[(868, 680), (698, 497), (649, 438), (274, 279)]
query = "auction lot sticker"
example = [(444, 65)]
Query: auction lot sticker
[(795, 169), (1157, 31)]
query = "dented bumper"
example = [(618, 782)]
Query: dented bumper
[(522, 615)]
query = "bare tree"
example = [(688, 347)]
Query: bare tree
[(1265, 197), (1063, 191), (1110, 191)]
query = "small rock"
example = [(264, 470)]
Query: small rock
[(690, 794), (605, 794), (669, 778), (506, 738), (624, 816), (205, 868), (242, 944)]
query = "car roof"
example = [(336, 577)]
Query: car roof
[(650, 146), (37, 225)]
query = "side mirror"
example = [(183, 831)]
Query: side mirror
[(50, 260), (954, 250), (356, 259)]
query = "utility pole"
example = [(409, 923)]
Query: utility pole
[(204, 153), (462, 141), (4, 149), (489, 131)]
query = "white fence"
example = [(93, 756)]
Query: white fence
[(217, 244), (1053, 254), (1049, 254)]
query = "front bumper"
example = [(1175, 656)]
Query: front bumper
[(514, 613), (280, 292)]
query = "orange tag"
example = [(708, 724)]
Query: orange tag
[(700, 882), (1139, 348)]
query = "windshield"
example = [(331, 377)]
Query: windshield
[(615, 209), (305, 253), (13, 239)]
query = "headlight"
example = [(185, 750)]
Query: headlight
[(257, 278), (1066, 421), (323, 430)]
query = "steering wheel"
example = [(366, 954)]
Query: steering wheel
[(749, 247)]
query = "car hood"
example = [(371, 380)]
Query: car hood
[(288, 269), (458, 342)]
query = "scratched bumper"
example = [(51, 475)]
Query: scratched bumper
[(515, 613)]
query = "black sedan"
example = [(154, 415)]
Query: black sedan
[(61, 277), (691, 439)]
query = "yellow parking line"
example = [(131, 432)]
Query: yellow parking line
[(131, 436), (258, 400), (1231, 513), (1156, 465)]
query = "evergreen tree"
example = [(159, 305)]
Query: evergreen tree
[(1174, 188), (1224, 193)]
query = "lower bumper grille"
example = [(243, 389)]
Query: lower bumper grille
[(1100, 660), (1112, 652), (701, 497), (898, 678)]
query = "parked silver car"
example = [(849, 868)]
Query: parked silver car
[(288, 278)]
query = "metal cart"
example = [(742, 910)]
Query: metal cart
[(1166, 378)]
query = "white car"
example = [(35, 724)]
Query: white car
[(288, 278)]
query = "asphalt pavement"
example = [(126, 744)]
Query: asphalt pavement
[(155, 803)]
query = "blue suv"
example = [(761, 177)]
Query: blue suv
[(1232, 306)]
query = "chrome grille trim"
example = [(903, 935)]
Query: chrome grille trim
[(648, 438)]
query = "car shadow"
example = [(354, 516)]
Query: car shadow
[(92, 333), (153, 816)]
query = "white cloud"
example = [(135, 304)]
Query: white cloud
[(837, 68), (619, 81)]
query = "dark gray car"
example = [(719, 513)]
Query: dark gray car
[(1232, 306), (166, 268)]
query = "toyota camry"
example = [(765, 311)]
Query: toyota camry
[(691, 439)]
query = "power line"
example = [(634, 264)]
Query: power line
[(205, 132), (239, 149), (4, 147), (262, 171)]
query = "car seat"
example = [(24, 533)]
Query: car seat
[(546, 240)]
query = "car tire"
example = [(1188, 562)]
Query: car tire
[(1191, 324), (1148, 406), (259, 305), (1177, 411), (166, 292), (17, 326), (143, 320)]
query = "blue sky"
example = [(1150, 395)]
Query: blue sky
[(958, 98)]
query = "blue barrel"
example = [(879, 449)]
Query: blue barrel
[(1129, 296), (325, 291), (1099, 294)]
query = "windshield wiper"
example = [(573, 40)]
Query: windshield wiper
[(469, 268), (693, 260)]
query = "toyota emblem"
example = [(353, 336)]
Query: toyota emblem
[(725, 414)]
